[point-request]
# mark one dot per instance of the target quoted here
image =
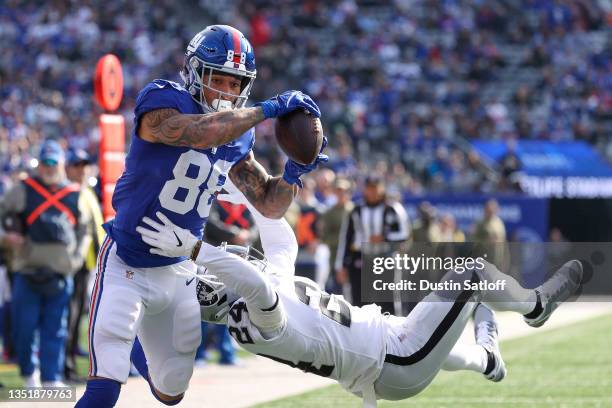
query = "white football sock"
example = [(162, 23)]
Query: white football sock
[(472, 357)]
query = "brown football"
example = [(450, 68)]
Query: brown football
[(300, 135)]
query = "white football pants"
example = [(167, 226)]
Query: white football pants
[(156, 304)]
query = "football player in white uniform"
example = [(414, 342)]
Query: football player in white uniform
[(272, 313)]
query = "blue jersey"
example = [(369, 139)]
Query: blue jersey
[(181, 182)]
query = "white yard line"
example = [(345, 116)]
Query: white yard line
[(261, 379)]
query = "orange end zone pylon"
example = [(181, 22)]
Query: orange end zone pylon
[(108, 84)]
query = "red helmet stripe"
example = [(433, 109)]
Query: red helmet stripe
[(237, 47)]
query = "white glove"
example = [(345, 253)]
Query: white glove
[(167, 239)]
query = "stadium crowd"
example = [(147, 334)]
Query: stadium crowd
[(408, 82)]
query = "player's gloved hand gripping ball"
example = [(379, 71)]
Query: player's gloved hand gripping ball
[(294, 170), (287, 102), (166, 238)]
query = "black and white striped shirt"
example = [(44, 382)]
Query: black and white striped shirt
[(388, 220)]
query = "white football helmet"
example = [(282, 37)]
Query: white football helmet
[(214, 297)]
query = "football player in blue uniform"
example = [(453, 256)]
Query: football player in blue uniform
[(187, 140)]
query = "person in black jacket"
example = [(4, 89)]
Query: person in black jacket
[(373, 221)]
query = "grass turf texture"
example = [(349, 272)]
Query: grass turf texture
[(566, 367)]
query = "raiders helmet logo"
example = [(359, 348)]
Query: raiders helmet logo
[(206, 295)]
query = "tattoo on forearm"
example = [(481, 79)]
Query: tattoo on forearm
[(270, 195), (200, 131)]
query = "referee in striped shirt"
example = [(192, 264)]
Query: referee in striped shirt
[(373, 222)]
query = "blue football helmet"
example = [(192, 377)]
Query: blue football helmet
[(224, 49)]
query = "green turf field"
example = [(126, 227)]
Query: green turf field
[(566, 367)]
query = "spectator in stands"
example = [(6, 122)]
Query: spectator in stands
[(78, 171), (490, 233), (52, 249), (448, 229), (455, 68), (324, 191), (343, 162), (491, 227), (510, 167), (426, 227)]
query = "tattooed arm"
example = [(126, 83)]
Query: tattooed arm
[(271, 196), (170, 127)]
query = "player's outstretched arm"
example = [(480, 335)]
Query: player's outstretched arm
[(204, 131), (171, 127), (271, 196)]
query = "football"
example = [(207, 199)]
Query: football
[(300, 136)]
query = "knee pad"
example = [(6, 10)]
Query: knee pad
[(100, 393), (169, 403), (187, 333), (175, 401), (174, 375)]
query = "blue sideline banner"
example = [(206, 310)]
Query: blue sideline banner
[(571, 169), (525, 218)]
